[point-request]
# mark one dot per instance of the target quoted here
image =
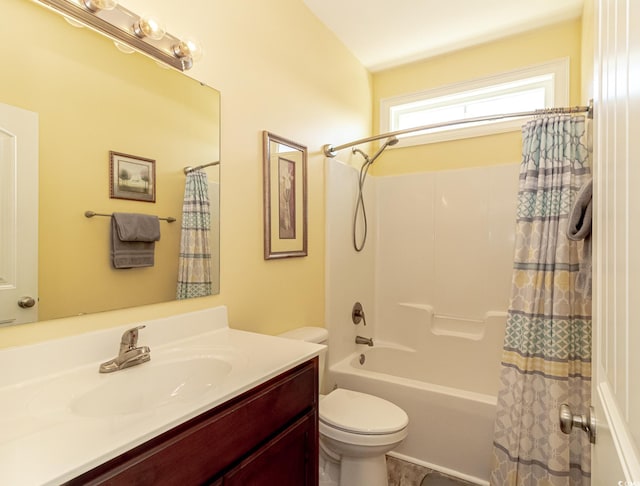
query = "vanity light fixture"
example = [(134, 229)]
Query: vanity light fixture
[(142, 33)]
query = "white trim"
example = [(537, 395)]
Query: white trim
[(618, 429), (559, 68)]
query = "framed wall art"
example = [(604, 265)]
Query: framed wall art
[(285, 197), (132, 177)]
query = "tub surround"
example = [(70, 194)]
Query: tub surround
[(53, 427), (435, 283)]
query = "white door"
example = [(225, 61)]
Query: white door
[(616, 298), (18, 215)]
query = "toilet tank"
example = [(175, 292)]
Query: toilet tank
[(318, 335)]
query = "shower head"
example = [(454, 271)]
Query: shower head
[(387, 143)]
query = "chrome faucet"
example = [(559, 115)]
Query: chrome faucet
[(130, 354), (364, 340)]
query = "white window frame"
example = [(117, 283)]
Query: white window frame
[(556, 95)]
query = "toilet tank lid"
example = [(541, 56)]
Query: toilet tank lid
[(309, 334)]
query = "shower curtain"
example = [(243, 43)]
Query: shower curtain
[(546, 357), (194, 266)]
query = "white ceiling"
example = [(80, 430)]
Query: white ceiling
[(386, 33)]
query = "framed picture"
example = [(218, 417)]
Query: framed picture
[(285, 197), (132, 177)]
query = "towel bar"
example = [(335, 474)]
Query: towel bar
[(91, 214), (191, 169)]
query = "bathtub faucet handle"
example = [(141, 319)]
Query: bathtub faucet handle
[(357, 314)]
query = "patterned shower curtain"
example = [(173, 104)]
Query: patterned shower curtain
[(194, 267), (546, 357)]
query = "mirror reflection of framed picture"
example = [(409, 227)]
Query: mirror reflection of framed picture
[(285, 197), (132, 177)]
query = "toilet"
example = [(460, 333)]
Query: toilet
[(356, 429)]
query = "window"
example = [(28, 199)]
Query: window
[(532, 88)]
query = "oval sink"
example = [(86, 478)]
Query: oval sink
[(151, 385)]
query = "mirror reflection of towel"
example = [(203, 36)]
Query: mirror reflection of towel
[(579, 228), (133, 238)]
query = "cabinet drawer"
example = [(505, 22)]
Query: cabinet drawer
[(290, 459), (200, 449)]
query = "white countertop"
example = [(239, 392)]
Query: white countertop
[(44, 441)]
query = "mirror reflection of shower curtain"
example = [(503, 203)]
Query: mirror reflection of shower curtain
[(546, 358), (194, 266)]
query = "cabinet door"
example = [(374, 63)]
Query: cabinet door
[(290, 459)]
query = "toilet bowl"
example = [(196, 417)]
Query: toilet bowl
[(356, 429), (361, 429)]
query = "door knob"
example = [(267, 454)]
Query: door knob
[(26, 302), (586, 422)]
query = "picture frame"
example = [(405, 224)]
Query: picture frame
[(285, 197), (132, 177)]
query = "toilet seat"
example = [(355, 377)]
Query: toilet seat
[(361, 414), (327, 432)]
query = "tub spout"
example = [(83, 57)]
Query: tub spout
[(364, 340)]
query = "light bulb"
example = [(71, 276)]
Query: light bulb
[(149, 27), (188, 47), (97, 5)]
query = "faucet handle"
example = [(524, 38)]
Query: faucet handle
[(357, 314), (129, 338)]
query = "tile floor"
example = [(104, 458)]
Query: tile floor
[(402, 473)]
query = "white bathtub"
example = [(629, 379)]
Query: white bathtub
[(450, 418)]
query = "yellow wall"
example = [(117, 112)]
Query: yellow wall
[(553, 42), (588, 45), (278, 69)]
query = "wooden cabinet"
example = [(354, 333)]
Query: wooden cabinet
[(283, 461), (264, 437)]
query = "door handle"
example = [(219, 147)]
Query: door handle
[(26, 302), (586, 422)]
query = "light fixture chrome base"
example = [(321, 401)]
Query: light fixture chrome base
[(91, 6)]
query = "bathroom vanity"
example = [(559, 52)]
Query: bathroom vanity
[(267, 435), (213, 406)]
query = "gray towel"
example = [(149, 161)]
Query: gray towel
[(579, 228), (133, 238)]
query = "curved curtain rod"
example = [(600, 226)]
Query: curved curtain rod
[(191, 169), (331, 151)]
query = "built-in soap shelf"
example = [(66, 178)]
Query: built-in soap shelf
[(455, 326)]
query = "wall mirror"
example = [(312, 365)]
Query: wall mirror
[(91, 99)]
